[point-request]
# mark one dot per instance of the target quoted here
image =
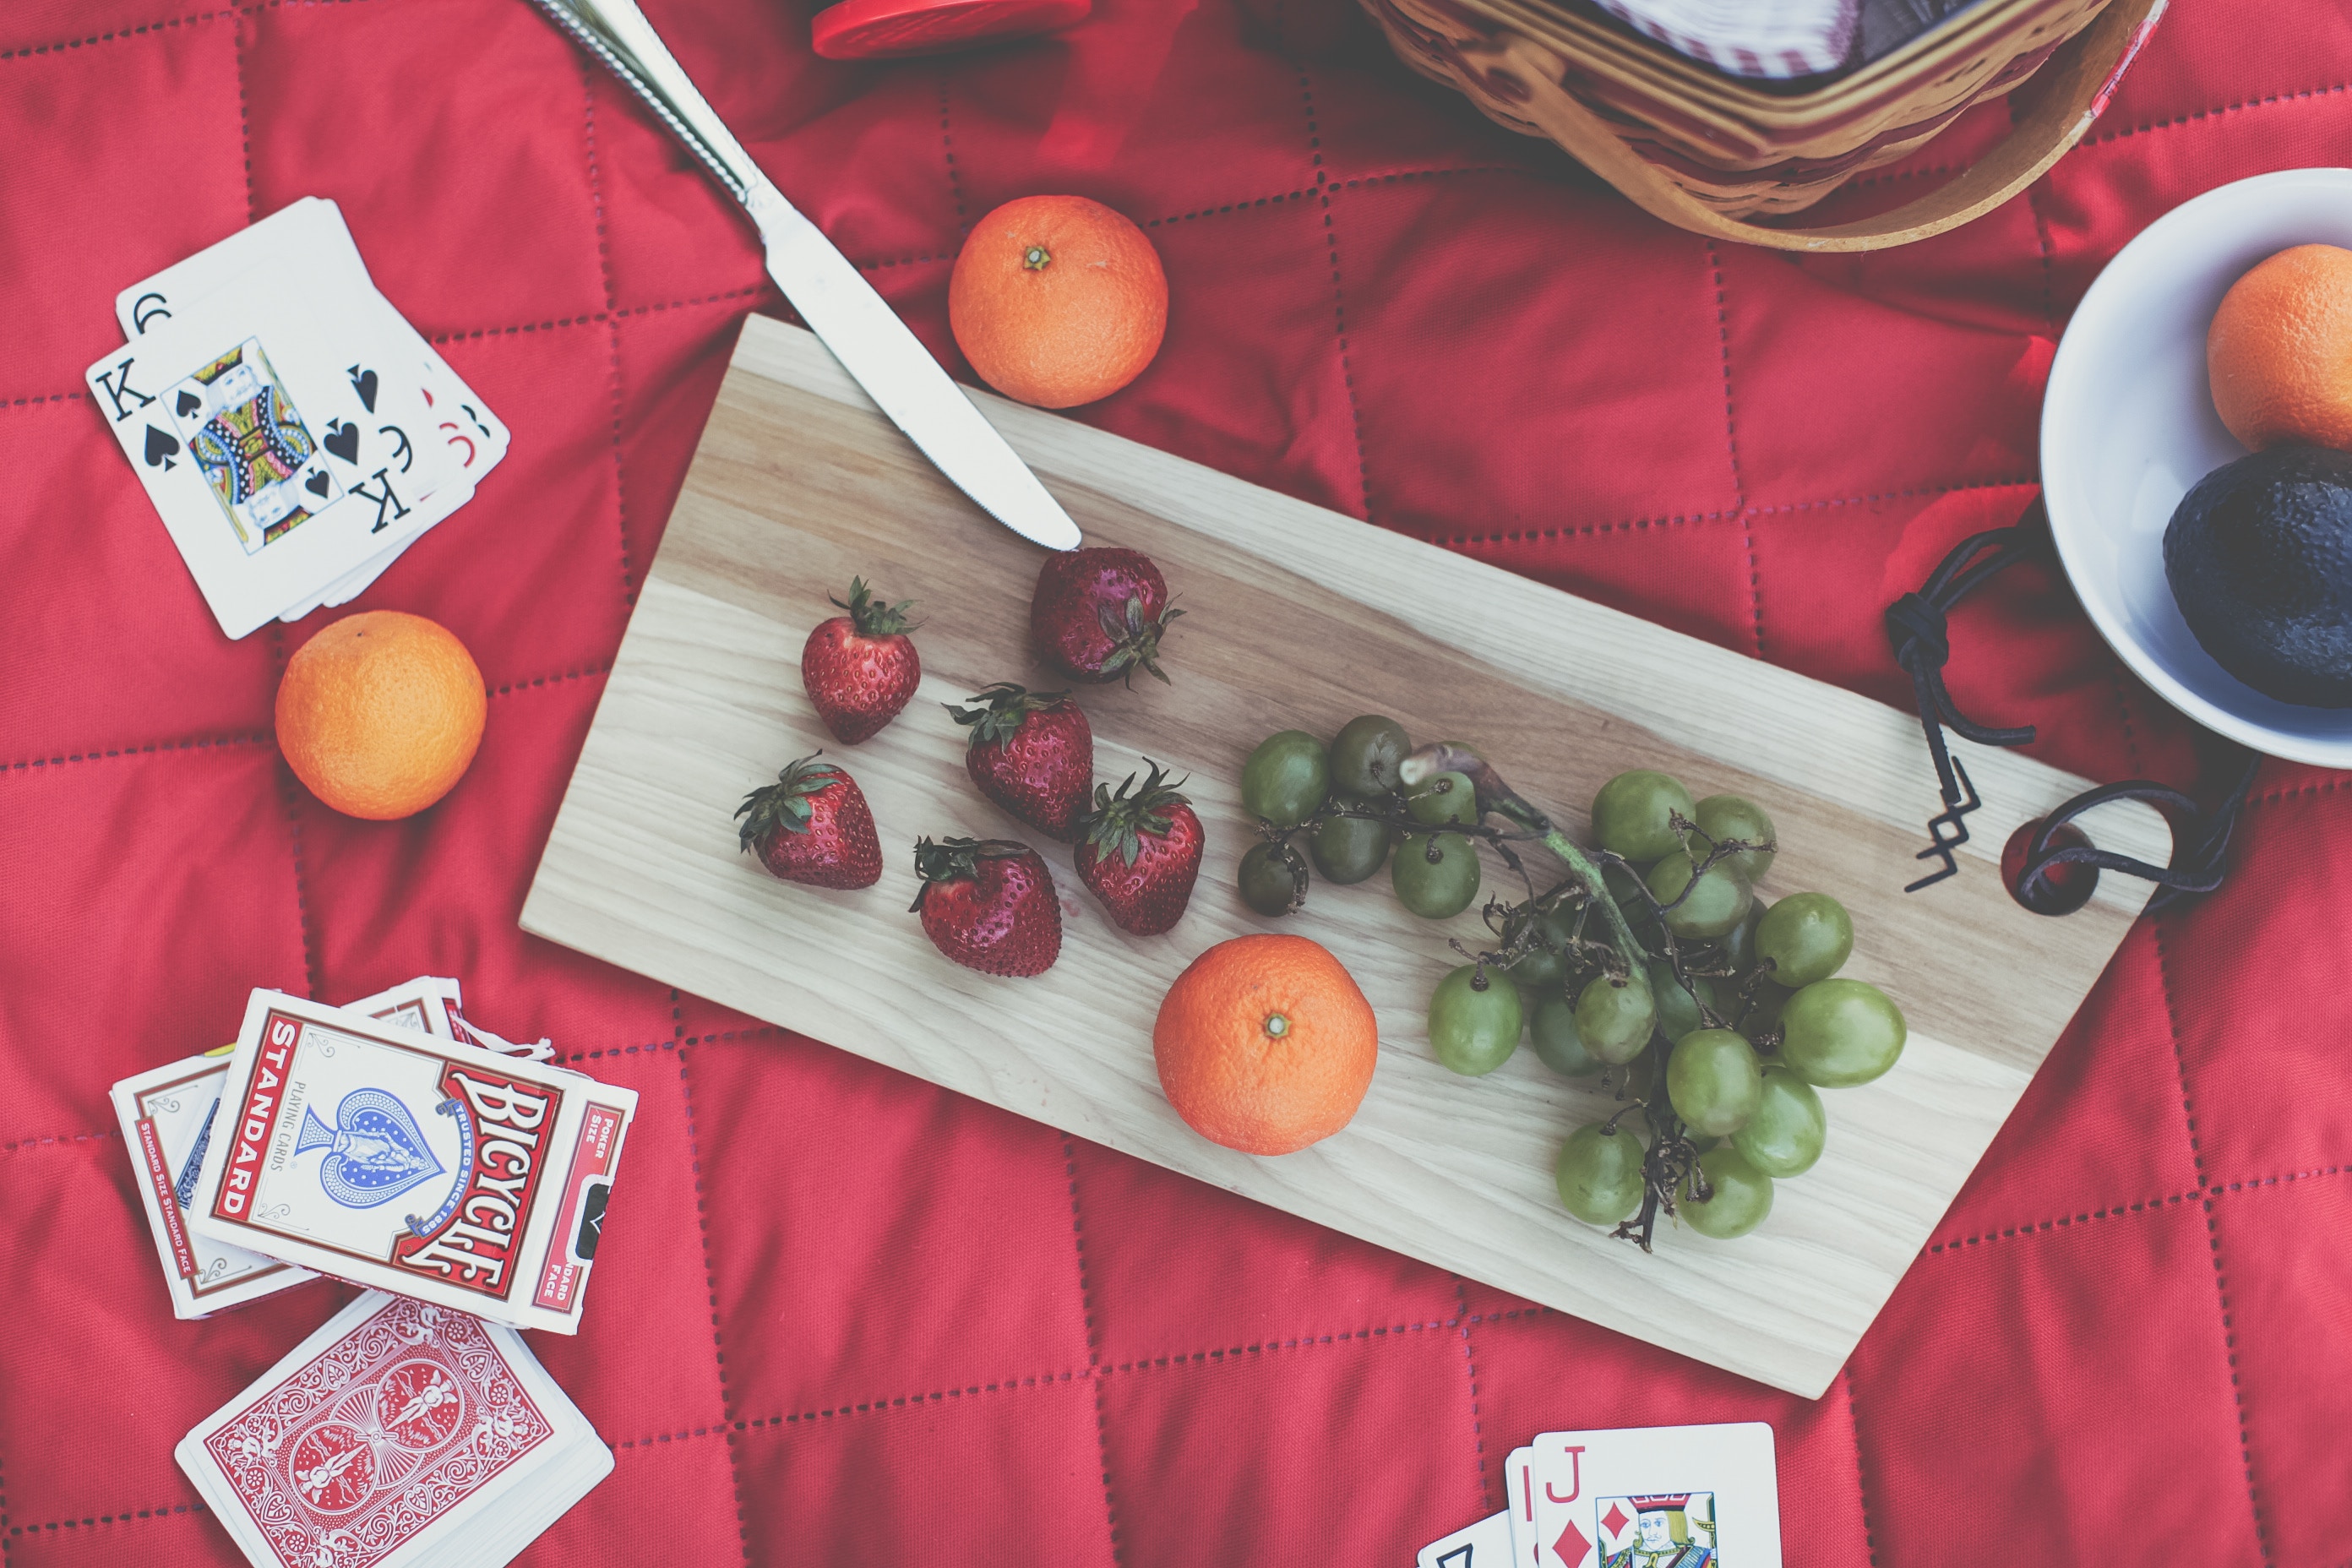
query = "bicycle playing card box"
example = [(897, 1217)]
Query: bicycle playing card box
[(402, 1162)]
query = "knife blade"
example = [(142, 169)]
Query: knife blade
[(862, 332)]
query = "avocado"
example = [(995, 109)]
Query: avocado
[(2259, 554)]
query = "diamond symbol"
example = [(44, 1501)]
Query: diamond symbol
[(1571, 1544), (1614, 1520)]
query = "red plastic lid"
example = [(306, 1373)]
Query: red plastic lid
[(880, 29)]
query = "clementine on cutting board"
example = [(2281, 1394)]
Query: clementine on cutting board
[(2279, 352), (380, 713), (1057, 301), (1265, 1045)]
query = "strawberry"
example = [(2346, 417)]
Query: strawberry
[(1141, 853), (1031, 752), (861, 668), (812, 826), (989, 905), (1098, 615)]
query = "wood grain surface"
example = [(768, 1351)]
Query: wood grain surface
[(1296, 618)]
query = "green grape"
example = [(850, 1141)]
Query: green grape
[(1740, 1199), (1365, 755), (1722, 816), (1785, 1135), (1629, 815), (1764, 1008), (1809, 937), (1712, 1080), (1614, 1019), (1715, 905), (1348, 848), (1444, 799), (1437, 888), (1737, 947), (1551, 1029), (1840, 1033), (1679, 1009), (1540, 965), (1285, 778), (1273, 878), (1474, 1021), (1600, 1174)]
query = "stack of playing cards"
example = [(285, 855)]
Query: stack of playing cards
[(167, 1118), (292, 429), (399, 1436), (1640, 1496), (403, 1160)]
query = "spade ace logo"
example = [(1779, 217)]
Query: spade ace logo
[(372, 1154)]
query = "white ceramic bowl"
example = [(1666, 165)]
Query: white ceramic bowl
[(2127, 426)]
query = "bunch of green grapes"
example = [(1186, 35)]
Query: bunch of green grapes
[(1652, 964)]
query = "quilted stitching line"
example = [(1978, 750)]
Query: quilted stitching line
[(2296, 791), (1470, 1364), (1731, 441), (2212, 1227), (596, 317), (145, 27), (1338, 294), (1357, 181), (2202, 115), (709, 1275), (1860, 1480), (244, 119), (764, 1031), (259, 737), (1094, 1348), (58, 1139), (947, 150), (45, 397), (1579, 530), (292, 794), (92, 1521), (540, 681), (612, 327), (2143, 1205)]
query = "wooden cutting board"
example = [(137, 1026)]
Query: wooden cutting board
[(1296, 618)]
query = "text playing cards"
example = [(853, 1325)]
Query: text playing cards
[(295, 434), (409, 1162), (401, 1434)]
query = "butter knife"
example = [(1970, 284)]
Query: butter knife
[(864, 334)]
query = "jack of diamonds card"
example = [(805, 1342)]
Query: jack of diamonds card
[(384, 1435), (1647, 1496), (412, 1164)]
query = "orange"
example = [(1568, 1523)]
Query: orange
[(1057, 301), (380, 713), (1265, 1045), (2280, 351)]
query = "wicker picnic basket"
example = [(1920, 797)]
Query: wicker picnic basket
[(1711, 153)]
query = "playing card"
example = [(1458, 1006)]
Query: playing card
[(1485, 1544), (399, 1433), (271, 474), (166, 1116), (309, 241), (1647, 1496), (429, 1002), (401, 1161)]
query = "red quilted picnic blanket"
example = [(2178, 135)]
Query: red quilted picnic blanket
[(848, 1317)]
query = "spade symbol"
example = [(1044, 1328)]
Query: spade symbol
[(343, 441), (317, 484), (161, 447), (188, 404), (363, 383)]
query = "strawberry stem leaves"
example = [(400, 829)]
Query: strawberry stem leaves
[(1003, 708), (783, 806), (1117, 822), (872, 617)]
